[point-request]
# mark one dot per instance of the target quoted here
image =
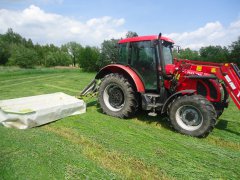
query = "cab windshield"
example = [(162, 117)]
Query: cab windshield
[(167, 53)]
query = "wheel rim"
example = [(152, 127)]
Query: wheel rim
[(113, 97), (189, 118)]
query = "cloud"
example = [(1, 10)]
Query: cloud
[(43, 27), (213, 33), (35, 1), (50, 1)]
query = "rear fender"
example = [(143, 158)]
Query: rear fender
[(173, 96), (124, 70)]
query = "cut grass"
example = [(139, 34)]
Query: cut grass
[(96, 146), (127, 166)]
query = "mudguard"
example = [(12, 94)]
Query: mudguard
[(126, 71), (173, 96)]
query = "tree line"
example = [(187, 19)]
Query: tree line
[(216, 54), (15, 50)]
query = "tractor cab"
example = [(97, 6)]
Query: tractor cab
[(147, 56)]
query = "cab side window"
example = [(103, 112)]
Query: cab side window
[(123, 54)]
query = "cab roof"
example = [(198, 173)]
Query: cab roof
[(145, 38)]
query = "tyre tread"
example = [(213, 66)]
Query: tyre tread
[(132, 105), (204, 103)]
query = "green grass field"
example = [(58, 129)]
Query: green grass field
[(96, 146)]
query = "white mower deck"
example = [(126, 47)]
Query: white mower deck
[(28, 112)]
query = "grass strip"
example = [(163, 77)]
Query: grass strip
[(128, 167)]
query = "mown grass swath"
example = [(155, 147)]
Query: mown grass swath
[(96, 146)]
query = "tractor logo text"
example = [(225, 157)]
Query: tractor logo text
[(231, 83)]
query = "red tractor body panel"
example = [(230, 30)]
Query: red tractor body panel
[(209, 86), (144, 38), (125, 70), (228, 73)]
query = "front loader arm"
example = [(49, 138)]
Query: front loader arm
[(231, 77)]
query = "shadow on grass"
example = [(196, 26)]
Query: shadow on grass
[(92, 103), (140, 115), (223, 124), (144, 117), (158, 120)]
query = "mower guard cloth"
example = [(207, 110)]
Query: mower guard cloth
[(28, 112)]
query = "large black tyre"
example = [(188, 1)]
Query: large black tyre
[(192, 115), (117, 96)]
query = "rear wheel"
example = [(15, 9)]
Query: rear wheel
[(117, 97), (192, 115)]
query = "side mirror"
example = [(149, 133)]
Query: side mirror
[(178, 48)]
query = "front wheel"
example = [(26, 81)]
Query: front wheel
[(192, 115), (117, 97)]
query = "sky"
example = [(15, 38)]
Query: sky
[(190, 23)]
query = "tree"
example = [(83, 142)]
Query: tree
[(58, 58), (12, 37), (41, 54), (235, 52), (131, 34), (74, 49), (89, 59), (4, 52), (22, 56), (28, 43), (109, 52), (214, 54), (186, 54), (6, 40)]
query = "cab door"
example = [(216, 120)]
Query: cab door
[(143, 61)]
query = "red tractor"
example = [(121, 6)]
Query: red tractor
[(193, 94)]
